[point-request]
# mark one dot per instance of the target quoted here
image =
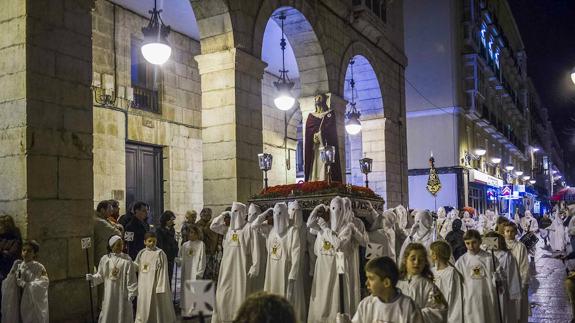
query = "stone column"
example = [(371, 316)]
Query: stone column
[(46, 176), (231, 126), (373, 143), (336, 103), (395, 164)]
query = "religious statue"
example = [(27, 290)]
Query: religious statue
[(320, 130)]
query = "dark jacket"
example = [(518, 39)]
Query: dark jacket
[(167, 242), (139, 228), (10, 250), (455, 240)]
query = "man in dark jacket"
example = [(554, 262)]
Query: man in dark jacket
[(138, 228), (455, 239), (167, 239)]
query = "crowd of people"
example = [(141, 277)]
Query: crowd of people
[(335, 266)]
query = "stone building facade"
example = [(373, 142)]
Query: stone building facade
[(467, 90), (64, 146)]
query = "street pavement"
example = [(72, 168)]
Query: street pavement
[(547, 296)]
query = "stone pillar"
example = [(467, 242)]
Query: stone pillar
[(231, 126), (46, 176), (395, 164), (373, 142), (336, 103)]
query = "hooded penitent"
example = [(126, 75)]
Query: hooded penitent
[(253, 212), (421, 232), (295, 214), (238, 216), (337, 217), (281, 218)]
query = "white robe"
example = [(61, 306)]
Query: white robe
[(324, 299), (359, 238), (425, 238), (30, 303), (529, 223), (519, 252), (450, 283), (192, 257), (427, 297), (154, 294), (401, 309), (557, 234), (283, 265), (509, 272), (479, 295), (118, 274), (240, 256)]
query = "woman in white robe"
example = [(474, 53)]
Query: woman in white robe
[(303, 287), (192, 259), (557, 234), (333, 237), (154, 294), (25, 289), (118, 274), (239, 262)]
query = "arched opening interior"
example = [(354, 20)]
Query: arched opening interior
[(369, 102), (282, 130)]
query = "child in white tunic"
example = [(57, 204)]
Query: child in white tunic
[(510, 288), (386, 302), (25, 289), (154, 294), (519, 252), (192, 258), (416, 281), (478, 270), (118, 274), (447, 279)]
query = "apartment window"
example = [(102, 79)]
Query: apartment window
[(144, 79), (378, 7)]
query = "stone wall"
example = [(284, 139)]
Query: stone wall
[(176, 127), (46, 139)]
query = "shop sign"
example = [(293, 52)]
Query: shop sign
[(507, 190), (479, 177)]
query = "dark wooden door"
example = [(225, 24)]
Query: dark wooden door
[(144, 178)]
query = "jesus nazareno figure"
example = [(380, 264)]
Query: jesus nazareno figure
[(320, 130)]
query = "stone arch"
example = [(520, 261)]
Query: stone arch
[(304, 34), (215, 25), (370, 142)]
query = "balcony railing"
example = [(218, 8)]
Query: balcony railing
[(377, 7), (146, 99)]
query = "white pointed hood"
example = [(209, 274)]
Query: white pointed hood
[(388, 219), (238, 216), (401, 213), (425, 221), (441, 213), (281, 218), (295, 214), (336, 214), (347, 209), (528, 214), (253, 212)]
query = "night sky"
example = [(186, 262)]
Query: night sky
[(548, 31)]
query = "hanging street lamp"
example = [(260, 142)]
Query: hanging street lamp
[(365, 165), (156, 48), (285, 100), (352, 124), (265, 162)]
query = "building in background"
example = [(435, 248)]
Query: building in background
[(470, 102)]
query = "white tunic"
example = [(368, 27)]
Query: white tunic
[(519, 252), (478, 287), (401, 309), (324, 300), (154, 294), (283, 265), (28, 304), (241, 255), (192, 255), (529, 223), (511, 286), (557, 234), (427, 297), (450, 283), (118, 274)]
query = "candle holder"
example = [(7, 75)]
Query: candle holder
[(265, 162), (365, 166), (327, 155)]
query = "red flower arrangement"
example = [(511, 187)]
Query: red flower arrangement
[(313, 188)]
